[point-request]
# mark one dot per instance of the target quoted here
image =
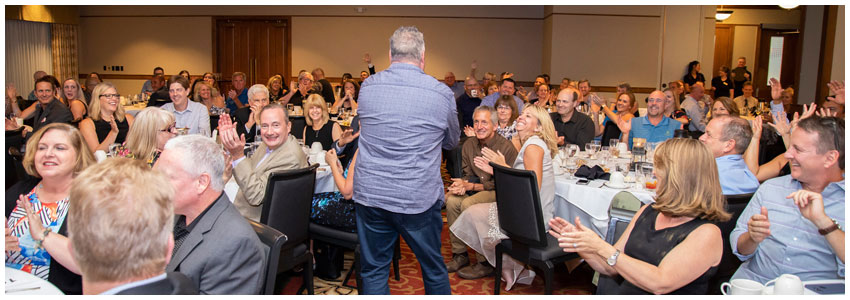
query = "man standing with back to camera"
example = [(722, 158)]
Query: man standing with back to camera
[(406, 116)]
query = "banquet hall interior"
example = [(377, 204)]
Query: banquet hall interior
[(594, 50)]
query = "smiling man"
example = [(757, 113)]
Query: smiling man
[(278, 152), (188, 114), (248, 117), (476, 181), (654, 127), (572, 127), (49, 109), (727, 137), (794, 223)]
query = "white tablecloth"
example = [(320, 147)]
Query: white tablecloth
[(132, 110), (324, 183), (589, 202), (22, 283)]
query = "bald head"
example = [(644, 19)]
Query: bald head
[(697, 91), (449, 78), (655, 103), (567, 101)]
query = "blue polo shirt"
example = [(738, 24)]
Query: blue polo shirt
[(642, 128)]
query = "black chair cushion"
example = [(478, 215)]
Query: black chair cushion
[(551, 251), (324, 233)]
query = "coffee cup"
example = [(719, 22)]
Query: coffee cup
[(741, 287), (787, 284), (316, 147), (623, 147), (617, 179)]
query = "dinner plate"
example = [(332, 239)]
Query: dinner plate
[(608, 184)]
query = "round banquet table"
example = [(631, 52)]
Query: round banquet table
[(22, 283)]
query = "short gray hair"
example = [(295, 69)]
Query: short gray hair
[(407, 44), (257, 88), (494, 116), (200, 155), (737, 129)]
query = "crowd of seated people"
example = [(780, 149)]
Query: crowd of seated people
[(794, 169)]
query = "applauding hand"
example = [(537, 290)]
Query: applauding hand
[(837, 88), (230, 139)]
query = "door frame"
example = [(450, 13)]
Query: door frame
[(287, 40)]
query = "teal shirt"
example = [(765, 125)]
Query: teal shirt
[(642, 128)]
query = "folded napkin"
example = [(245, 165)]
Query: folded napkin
[(592, 173)]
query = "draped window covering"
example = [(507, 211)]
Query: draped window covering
[(64, 43), (27, 51)]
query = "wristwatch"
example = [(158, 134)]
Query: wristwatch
[(831, 228), (613, 259)]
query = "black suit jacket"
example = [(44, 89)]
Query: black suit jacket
[(53, 112), (241, 117), (159, 98), (173, 284)]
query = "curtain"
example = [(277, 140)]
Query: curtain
[(64, 47), (27, 51)]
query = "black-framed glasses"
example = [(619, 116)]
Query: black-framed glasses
[(110, 95), (170, 129)]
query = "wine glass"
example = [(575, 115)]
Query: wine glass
[(571, 167), (589, 149), (572, 150)]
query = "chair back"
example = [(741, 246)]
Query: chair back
[(274, 240), (621, 211), (288, 202), (518, 202), (729, 263)]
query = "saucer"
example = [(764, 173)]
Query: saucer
[(768, 290), (620, 187)]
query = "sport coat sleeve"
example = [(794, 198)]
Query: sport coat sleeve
[(252, 178), (235, 271)]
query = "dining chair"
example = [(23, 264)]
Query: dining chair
[(620, 212), (286, 207), (274, 240), (729, 263), (350, 240), (521, 219)]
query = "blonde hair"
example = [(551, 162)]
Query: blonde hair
[(683, 192), (547, 128), (315, 100), (141, 139), (272, 80), (94, 106), (198, 85), (84, 156), (103, 197)]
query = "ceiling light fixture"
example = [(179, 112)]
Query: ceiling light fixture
[(723, 14)]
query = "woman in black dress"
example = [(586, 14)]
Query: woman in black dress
[(107, 123), (609, 129), (722, 84), (319, 127), (670, 247), (693, 75)]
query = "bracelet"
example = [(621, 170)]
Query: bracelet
[(43, 237)]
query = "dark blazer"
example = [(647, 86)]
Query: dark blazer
[(173, 284), (159, 98), (53, 112), (222, 254), (68, 282), (241, 117)]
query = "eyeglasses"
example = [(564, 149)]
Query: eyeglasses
[(170, 129), (110, 95), (500, 107)]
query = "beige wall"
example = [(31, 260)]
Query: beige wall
[(838, 50), (451, 44), (744, 45), (142, 43), (811, 36)]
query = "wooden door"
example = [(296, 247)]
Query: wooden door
[(789, 57), (724, 37), (256, 46)]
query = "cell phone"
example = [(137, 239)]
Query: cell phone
[(583, 181), (827, 288)]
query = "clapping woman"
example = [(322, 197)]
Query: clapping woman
[(319, 127), (670, 247), (348, 100), (36, 208), (107, 123)]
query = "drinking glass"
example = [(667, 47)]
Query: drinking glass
[(589, 149), (650, 182), (571, 167), (572, 150), (290, 107)]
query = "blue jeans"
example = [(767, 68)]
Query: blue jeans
[(378, 230)]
